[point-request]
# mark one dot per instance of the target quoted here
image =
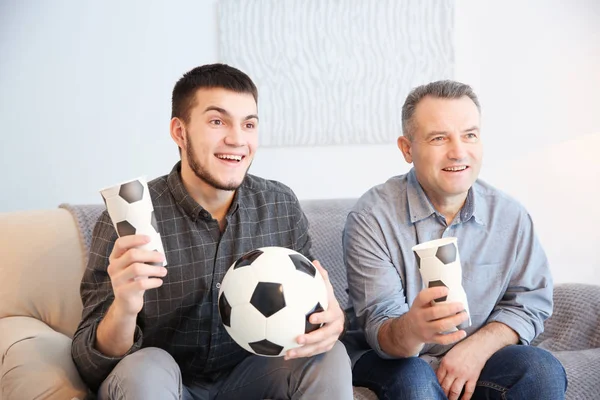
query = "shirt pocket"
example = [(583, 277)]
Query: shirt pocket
[(483, 284), (482, 273)]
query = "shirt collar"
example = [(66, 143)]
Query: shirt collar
[(419, 206), (187, 202)]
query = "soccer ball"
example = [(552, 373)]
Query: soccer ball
[(130, 208), (439, 264), (266, 298)]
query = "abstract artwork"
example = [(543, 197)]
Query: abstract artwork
[(336, 72)]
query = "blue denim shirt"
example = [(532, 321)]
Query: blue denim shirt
[(505, 271)]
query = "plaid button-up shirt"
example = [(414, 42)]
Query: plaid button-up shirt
[(182, 316)]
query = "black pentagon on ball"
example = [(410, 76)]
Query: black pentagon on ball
[(225, 310), (303, 265), (266, 348), (435, 284), (418, 259), (309, 327), (247, 259), (132, 191), (268, 298), (446, 253), (124, 228)]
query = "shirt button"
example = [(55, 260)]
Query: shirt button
[(218, 285)]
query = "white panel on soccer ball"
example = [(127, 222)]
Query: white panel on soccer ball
[(238, 285), (431, 269), (305, 291), (111, 191), (273, 264), (140, 214), (117, 208), (284, 327), (247, 324)]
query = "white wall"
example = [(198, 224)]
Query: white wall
[(85, 99), (85, 93)]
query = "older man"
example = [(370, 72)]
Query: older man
[(505, 272)]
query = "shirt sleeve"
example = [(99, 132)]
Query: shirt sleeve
[(97, 296), (374, 284), (302, 240), (527, 302)]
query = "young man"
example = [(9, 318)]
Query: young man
[(153, 332), (505, 271)]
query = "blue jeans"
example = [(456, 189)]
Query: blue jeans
[(151, 373), (514, 372)]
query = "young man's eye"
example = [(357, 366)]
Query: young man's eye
[(216, 122), (250, 125)]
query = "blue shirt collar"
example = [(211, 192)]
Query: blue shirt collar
[(420, 207)]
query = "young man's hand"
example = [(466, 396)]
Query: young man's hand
[(324, 338), (131, 275)]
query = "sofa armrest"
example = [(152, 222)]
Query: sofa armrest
[(36, 362), (575, 322)]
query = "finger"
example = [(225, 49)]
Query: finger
[(136, 271), (143, 256), (456, 389), (330, 293), (426, 296), (333, 315), (132, 256), (469, 390), (324, 274), (320, 334), (447, 384), (449, 323), (139, 285), (309, 350), (441, 373), (448, 338), (443, 310), (125, 243)]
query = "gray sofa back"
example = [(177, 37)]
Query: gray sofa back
[(326, 220)]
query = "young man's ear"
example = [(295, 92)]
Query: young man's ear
[(405, 147), (177, 132)]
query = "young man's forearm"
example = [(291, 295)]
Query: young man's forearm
[(396, 339), (114, 336)]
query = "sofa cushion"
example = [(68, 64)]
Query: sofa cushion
[(41, 268), (36, 362)]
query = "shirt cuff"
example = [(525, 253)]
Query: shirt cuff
[(103, 362), (516, 323), (372, 336)]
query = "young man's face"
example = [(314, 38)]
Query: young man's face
[(220, 138), (446, 149)]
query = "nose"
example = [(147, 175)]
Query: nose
[(457, 150), (235, 137)]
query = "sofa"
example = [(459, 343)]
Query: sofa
[(44, 255)]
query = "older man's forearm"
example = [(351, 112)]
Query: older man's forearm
[(493, 337), (396, 339)]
